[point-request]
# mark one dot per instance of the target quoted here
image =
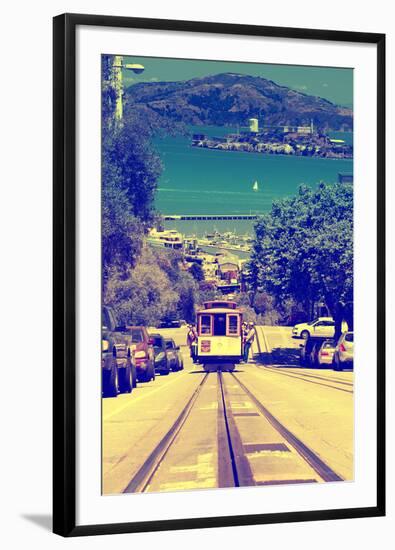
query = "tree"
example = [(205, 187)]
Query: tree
[(145, 296), (186, 288), (303, 248), (127, 149), (121, 231), (130, 169), (197, 272)]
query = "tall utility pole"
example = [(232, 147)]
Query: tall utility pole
[(117, 85), (116, 80)]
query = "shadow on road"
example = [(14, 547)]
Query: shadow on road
[(287, 357), (214, 370)]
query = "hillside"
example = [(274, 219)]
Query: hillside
[(230, 99)]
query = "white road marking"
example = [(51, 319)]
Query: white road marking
[(241, 405), (205, 474), (210, 407)]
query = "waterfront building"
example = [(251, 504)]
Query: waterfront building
[(228, 269), (345, 178), (166, 239), (254, 125)]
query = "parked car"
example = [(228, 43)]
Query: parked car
[(143, 352), (326, 352), (161, 354), (118, 368), (344, 352), (174, 355), (323, 326), (177, 323), (309, 351)]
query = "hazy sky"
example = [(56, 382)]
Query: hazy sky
[(333, 84)]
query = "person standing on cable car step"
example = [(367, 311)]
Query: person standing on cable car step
[(249, 341), (192, 341), (244, 331)]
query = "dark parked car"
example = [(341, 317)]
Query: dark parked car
[(309, 351), (162, 363), (174, 355), (118, 368)]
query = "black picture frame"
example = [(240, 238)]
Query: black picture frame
[(64, 272)]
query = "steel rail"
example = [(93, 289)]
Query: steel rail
[(301, 376), (142, 478), (316, 463), (242, 473), (300, 372)]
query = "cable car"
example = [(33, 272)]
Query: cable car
[(220, 335)]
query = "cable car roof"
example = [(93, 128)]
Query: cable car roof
[(225, 304), (219, 310)]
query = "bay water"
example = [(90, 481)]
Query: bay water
[(206, 181)]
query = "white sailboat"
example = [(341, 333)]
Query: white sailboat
[(255, 187)]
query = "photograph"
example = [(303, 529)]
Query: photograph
[(227, 274)]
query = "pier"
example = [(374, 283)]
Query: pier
[(204, 217)]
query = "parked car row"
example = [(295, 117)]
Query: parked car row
[(130, 355), (319, 348), (321, 352)]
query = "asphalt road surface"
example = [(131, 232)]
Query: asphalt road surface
[(268, 422)]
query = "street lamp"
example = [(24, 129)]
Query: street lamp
[(117, 81), (135, 67)]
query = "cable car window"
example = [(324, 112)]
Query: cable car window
[(205, 324), (233, 325), (220, 324)]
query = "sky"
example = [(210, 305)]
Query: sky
[(334, 84)]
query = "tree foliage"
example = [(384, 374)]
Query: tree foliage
[(303, 248), (197, 272), (155, 290), (143, 285), (130, 169), (128, 151)]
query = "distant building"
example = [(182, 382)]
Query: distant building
[(337, 142), (228, 269), (254, 125), (166, 239), (304, 130), (345, 178)]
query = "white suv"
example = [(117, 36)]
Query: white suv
[(323, 326)]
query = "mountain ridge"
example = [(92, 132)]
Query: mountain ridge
[(229, 99)]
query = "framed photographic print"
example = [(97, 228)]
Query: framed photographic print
[(218, 240)]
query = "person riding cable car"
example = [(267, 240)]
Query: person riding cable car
[(192, 341)]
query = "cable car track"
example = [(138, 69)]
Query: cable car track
[(234, 465), (141, 480), (306, 378), (301, 372), (316, 463), (327, 379)]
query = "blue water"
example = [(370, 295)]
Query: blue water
[(206, 181)]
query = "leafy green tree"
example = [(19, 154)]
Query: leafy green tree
[(144, 286), (127, 149), (197, 272), (304, 248), (121, 231), (146, 296), (187, 289), (130, 169), (207, 291)]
